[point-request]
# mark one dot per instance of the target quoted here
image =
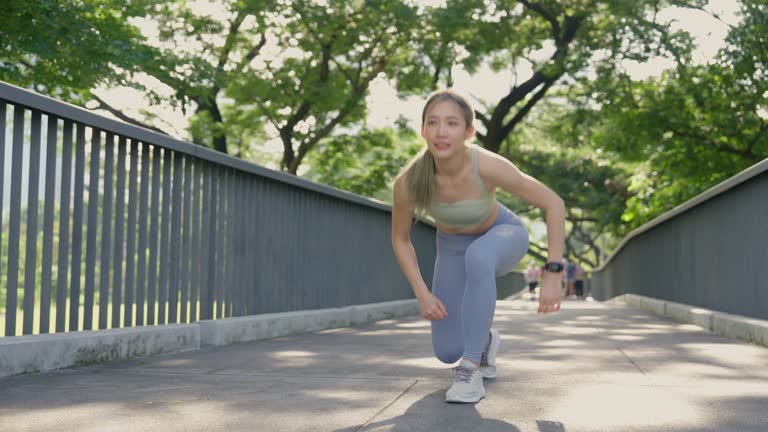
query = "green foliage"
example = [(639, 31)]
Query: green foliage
[(620, 152), (65, 48), (329, 55), (746, 45), (594, 185), (687, 130), (368, 170), (298, 69), (38, 272)]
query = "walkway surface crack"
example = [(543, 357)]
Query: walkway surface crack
[(367, 422), (631, 361), (601, 331)]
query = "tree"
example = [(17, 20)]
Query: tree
[(592, 184), (331, 54), (689, 129), (560, 40), (64, 48), (301, 68), (369, 171)]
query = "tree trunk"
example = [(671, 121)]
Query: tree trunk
[(218, 138)]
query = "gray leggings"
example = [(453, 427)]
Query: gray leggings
[(465, 281)]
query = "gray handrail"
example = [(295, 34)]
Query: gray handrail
[(708, 252), (708, 194), (164, 231), (61, 109)]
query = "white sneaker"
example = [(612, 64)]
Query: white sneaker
[(467, 384), (488, 358)]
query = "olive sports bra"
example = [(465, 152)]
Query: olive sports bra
[(465, 213)]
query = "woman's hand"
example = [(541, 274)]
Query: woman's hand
[(432, 308), (551, 292)]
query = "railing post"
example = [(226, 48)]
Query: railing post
[(93, 223), (211, 264), (106, 231), (49, 203), (14, 222), (77, 230)]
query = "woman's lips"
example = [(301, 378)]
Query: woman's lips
[(441, 146)]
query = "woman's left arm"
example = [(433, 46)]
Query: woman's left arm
[(502, 173)]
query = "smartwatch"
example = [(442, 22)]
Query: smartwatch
[(553, 267)]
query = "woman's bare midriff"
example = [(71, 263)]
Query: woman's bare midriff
[(477, 229)]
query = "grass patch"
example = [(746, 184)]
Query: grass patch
[(81, 318)]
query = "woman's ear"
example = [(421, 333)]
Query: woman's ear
[(470, 132)]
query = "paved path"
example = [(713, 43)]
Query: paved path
[(592, 367)]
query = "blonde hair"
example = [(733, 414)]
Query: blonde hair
[(420, 171)]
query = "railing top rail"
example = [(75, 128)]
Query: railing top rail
[(19, 96), (710, 193)]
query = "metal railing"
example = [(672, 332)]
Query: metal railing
[(709, 252), (108, 225)]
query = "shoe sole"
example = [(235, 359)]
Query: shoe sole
[(488, 373), (473, 399)]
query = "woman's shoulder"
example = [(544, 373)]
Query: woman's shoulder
[(490, 164), (401, 180), (487, 157), (400, 187)]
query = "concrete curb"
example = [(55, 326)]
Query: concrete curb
[(748, 329), (517, 295), (361, 314), (647, 304), (731, 326), (257, 327), (41, 353)]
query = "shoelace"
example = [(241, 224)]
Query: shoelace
[(460, 373)]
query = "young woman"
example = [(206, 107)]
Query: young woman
[(477, 239)]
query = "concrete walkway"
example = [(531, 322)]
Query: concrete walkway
[(592, 367)]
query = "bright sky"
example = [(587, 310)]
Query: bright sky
[(384, 105)]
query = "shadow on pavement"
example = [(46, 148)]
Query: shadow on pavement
[(431, 413)]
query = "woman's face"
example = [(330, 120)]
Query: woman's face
[(445, 129)]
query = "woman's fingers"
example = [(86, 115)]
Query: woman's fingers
[(432, 309), (443, 311), (543, 304), (547, 305)]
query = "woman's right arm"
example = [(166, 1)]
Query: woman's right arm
[(402, 219)]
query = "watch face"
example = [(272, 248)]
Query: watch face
[(553, 267)]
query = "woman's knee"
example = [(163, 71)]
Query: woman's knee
[(519, 246), (510, 241), (451, 355), (523, 241)]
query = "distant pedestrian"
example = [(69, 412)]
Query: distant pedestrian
[(578, 282), (532, 274), (569, 277)]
